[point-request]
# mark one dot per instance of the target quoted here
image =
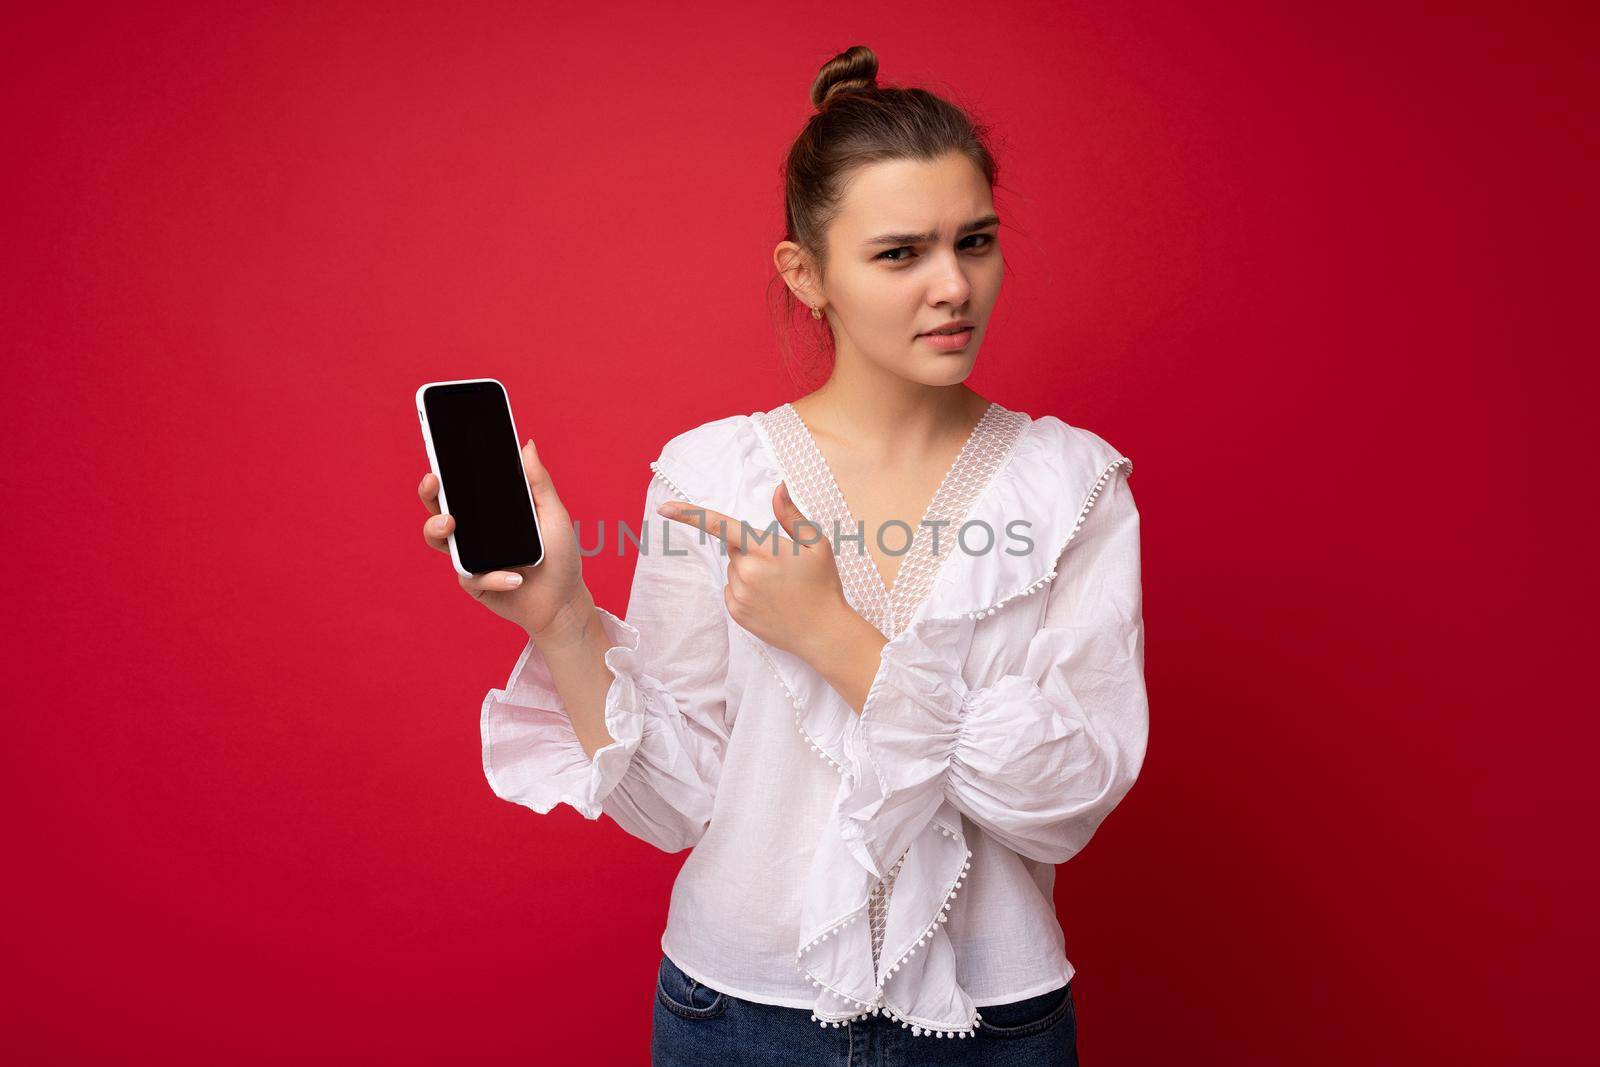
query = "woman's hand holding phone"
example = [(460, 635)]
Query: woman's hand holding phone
[(539, 599)]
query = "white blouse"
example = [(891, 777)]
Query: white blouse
[(829, 847)]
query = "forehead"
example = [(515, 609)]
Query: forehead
[(911, 194)]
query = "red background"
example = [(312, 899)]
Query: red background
[(1317, 271)]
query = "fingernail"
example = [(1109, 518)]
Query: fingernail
[(667, 509), (514, 581)]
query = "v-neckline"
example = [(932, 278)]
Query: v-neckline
[(890, 590), (985, 452)]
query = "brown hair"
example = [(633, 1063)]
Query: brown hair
[(858, 123)]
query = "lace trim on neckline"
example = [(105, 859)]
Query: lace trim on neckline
[(812, 486)]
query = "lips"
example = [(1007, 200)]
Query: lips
[(959, 326)]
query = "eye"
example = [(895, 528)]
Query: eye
[(986, 240)]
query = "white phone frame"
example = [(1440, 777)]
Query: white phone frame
[(433, 462)]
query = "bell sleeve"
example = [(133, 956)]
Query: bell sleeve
[(1039, 758), (665, 708)]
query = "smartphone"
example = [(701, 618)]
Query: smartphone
[(476, 454)]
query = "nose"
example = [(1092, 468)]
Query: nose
[(951, 285)]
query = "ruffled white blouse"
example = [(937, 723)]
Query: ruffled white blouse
[(901, 861)]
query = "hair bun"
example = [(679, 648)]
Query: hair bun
[(854, 69)]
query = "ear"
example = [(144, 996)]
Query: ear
[(794, 264)]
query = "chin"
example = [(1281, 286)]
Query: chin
[(952, 369)]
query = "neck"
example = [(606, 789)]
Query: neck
[(890, 418)]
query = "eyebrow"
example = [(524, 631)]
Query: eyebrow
[(923, 238)]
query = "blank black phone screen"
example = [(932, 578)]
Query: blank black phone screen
[(480, 466)]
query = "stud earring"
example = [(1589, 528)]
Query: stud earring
[(816, 313)]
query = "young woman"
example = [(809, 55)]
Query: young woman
[(882, 668)]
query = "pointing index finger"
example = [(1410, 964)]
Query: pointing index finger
[(706, 520)]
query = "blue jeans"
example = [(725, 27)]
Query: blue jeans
[(695, 1026)]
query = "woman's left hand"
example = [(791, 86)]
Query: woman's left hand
[(786, 591)]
